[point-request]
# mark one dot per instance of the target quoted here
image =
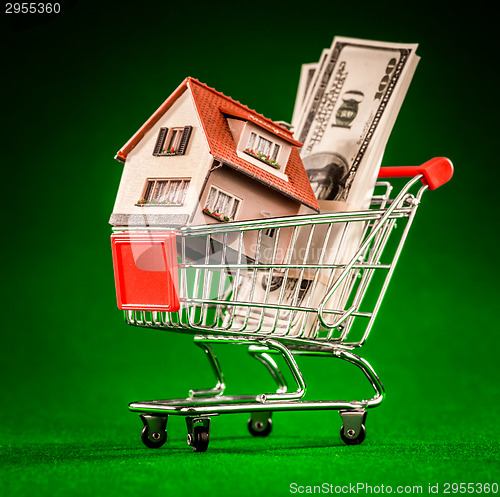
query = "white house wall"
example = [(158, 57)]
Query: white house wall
[(142, 165)]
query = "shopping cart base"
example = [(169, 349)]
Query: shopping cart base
[(203, 404), (154, 415)]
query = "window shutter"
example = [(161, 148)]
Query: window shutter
[(184, 140), (160, 141)]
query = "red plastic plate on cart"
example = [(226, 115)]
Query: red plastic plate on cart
[(145, 267)]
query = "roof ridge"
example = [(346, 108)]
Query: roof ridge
[(243, 106)]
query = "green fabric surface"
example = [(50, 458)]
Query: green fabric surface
[(249, 466)]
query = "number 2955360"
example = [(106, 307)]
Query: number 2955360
[(32, 8), (470, 488)]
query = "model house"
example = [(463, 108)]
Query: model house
[(202, 151), (204, 158)]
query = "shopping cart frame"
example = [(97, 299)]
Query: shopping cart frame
[(202, 404)]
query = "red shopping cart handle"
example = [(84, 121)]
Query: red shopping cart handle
[(436, 172)]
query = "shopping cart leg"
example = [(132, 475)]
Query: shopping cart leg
[(260, 423), (214, 363), (353, 430), (198, 432), (262, 355), (263, 347), (154, 433)]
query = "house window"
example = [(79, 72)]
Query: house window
[(221, 205), (165, 192), (263, 149), (172, 141)]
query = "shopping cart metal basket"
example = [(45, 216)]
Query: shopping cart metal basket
[(282, 287)]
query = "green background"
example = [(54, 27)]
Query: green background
[(76, 86)]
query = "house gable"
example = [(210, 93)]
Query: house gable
[(138, 136), (164, 188)]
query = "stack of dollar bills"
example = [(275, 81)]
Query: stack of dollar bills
[(345, 109)]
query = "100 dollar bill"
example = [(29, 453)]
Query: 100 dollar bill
[(349, 113)]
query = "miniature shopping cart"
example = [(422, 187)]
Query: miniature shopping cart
[(307, 285)]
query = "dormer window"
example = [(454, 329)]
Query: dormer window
[(172, 141), (263, 149)]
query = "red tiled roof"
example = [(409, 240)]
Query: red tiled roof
[(212, 106)]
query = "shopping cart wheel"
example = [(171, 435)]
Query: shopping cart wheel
[(153, 440), (260, 424), (198, 433), (352, 438), (353, 430), (154, 433), (200, 439)]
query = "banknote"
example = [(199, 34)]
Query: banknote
[(347, 117), (346, 106), (307, 72), (307, 81)]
